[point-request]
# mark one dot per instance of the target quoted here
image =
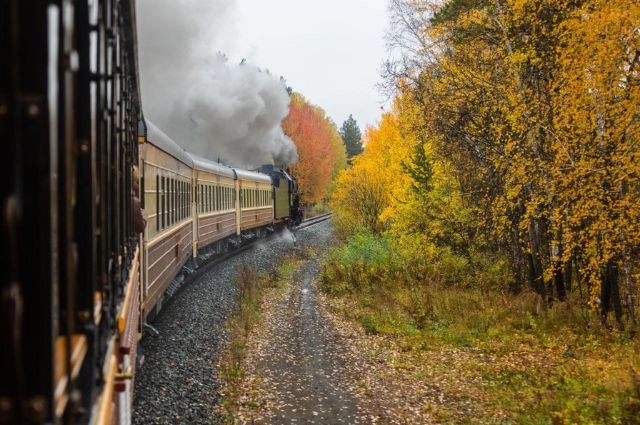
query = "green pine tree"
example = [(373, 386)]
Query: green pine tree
[(351, 137)]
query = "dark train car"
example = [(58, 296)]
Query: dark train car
[(286, 205), (69, 107)]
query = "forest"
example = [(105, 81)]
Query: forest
[(496, 206)]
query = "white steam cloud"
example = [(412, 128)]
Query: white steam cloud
[(221, 111)]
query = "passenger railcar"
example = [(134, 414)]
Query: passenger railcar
[(167, 181), (256, 201), (79, 282), (196, 208), (215, 201)]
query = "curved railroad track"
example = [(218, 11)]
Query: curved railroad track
[(177, 383), (314, 220)]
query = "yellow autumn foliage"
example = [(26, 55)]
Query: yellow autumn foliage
[(514, 133)]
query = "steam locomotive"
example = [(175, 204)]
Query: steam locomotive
[(79, 281)]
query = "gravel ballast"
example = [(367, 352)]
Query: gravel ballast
[(177, 383)]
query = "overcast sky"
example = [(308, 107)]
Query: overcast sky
[(330, 51)]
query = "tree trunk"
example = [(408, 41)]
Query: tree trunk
[(610, 294), (536, 278)]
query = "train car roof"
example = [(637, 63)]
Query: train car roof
[(204, 164), (252, 176), (158, 138)]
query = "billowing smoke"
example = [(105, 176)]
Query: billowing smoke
[(224, 112)]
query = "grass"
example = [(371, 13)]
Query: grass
[(513, 359)]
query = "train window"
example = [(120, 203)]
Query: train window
[(167, 205), (214, 189), (157, 203), (210, 198), (183, 209), (172, 203), (178, 201), (225, 196), (162, 204)]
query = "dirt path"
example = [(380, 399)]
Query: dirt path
[(295, 367), (301, 361), (305, 365)]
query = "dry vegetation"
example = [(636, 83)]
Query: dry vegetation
[(493, 358)]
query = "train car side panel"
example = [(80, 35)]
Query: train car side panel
[(165, 257), (216, 214)]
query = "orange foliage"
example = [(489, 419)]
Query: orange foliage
[(320, 156)]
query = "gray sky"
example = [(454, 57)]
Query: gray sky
[(330, 51)]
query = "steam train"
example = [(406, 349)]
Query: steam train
[(79, 281)]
